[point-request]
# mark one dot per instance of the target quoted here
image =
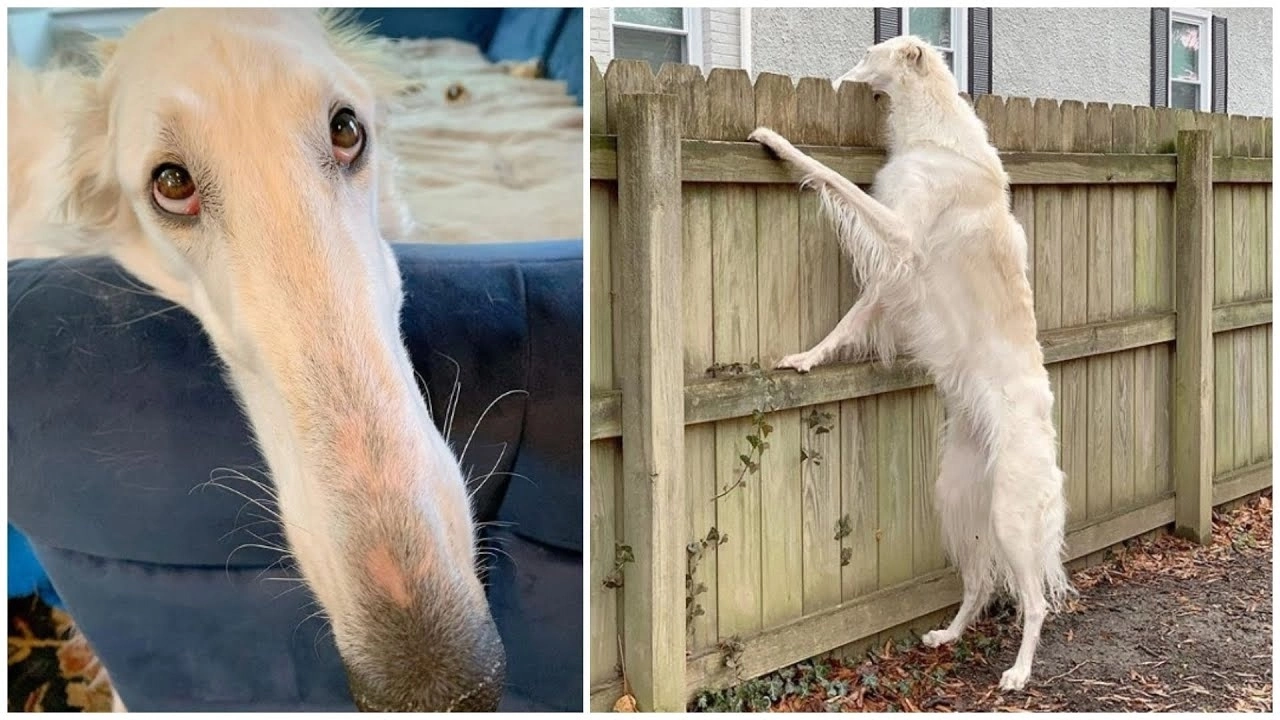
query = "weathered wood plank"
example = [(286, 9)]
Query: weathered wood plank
[(1073, 395), (1101, 384), (1102, 533), (859, 479), (735, 161), (605, 460), (1021, 133), (1193, 363), (605, 455), (652, 381), (1243, 314), (893, 459), (1165, 140), (1224, 292), (731, 105), (736, 396), (1260, 406), (601, 351), (1124, 398), (814, 634), (860, 123), (820, 310), (889, 607), (1242, 233), (778, 260), (802, 639), (926, 533), (1243, 481), (990, 109), (1046, 259), (1144, 301), (687, 83)]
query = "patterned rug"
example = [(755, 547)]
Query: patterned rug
[(51, 668)]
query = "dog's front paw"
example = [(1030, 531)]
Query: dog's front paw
[(1015, 678), (934, 638), (764, 136), (800, 362)]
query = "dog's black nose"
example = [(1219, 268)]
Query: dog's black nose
[(419, 663)]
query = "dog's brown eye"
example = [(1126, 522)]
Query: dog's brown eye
[(347, 135), (174, 190), (455, 92)]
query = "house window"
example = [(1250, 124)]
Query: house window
[(1188, 59), (658, 35), (1190, 37), (944, 28)]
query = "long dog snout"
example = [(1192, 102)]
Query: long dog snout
[(439, 653)]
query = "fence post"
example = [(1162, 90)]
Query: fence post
[(652, 383), (1193, 356)]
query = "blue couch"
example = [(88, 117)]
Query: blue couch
[(118, 412)]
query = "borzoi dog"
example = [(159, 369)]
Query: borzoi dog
[(234, 161), (942, 261)]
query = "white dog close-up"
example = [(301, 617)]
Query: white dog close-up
[(246, 180)]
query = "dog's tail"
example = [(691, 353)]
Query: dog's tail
[(1058, 586)]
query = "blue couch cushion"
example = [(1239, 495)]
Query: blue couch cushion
[(526, 34), (119, 411), (26, 576), (565, 60), (473, 25)]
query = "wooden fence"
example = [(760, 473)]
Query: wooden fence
[(704, 254)]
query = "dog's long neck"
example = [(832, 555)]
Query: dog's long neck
[(939, 117)]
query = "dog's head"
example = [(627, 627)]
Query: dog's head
[(899, 64), (232, 159)]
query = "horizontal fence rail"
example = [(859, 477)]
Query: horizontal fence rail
[(709, 161), (725, 398), (801, 512)]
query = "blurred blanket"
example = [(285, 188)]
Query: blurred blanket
[(488, 151)]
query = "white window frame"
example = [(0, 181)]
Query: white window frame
[(1203, 19), (959, 42), (692, 33)]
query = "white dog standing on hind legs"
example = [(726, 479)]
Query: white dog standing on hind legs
[(942, 263)]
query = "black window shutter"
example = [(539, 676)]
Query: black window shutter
[(1219, 64), (888, 23), (979, 51), (1159, 57)]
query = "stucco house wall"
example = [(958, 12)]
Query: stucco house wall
[(1089, 54)]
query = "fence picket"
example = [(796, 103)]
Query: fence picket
[(1123, 407), (1101, 387), (781, 469), (820, 310), (731, 111)]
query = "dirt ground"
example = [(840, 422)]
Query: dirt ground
[(1163, 626)]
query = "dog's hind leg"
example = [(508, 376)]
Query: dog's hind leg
[(1019, 501), (963, 499), (1024, 563)]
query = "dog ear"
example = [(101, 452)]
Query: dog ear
[(104, 49), (355, 43), (94, 197), (912, 55)]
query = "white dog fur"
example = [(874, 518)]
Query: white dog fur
[(942, 266), (285, 264)]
